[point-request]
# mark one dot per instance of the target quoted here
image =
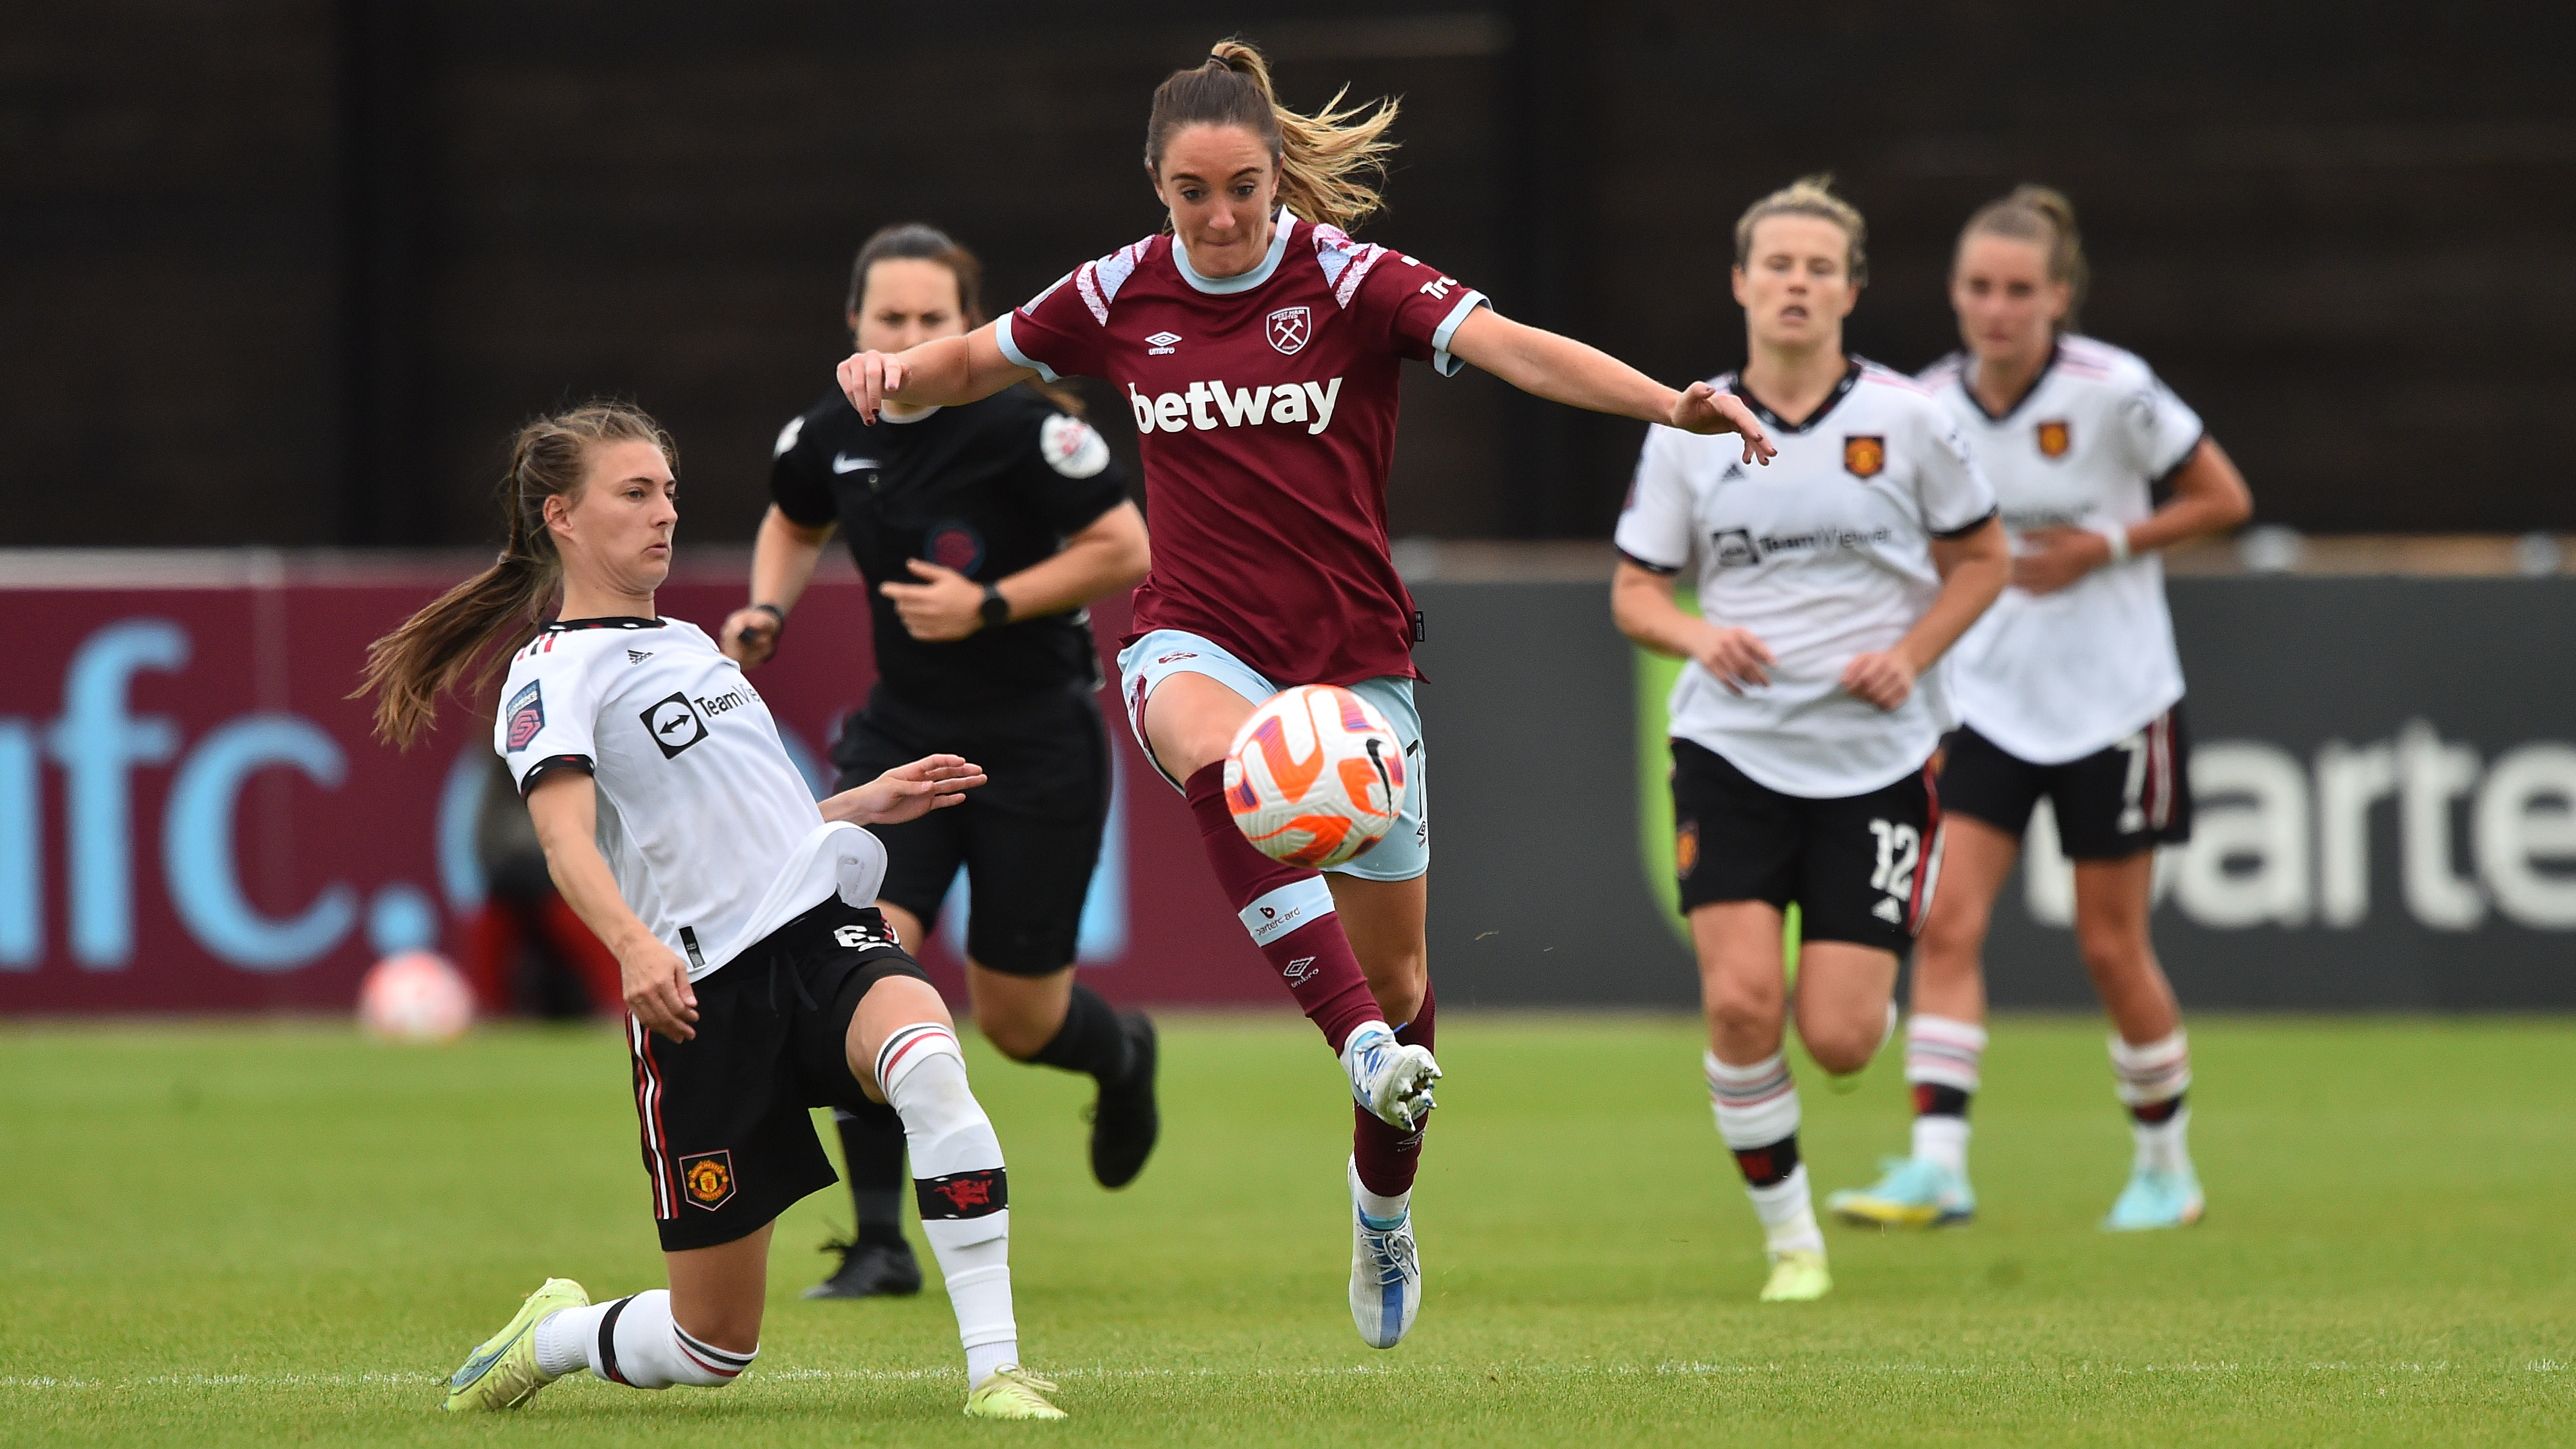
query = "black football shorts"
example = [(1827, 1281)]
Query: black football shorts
[(728, 1144), (2111, 804), (1860, 868)]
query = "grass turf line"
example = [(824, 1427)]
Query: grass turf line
[(241, 1235)]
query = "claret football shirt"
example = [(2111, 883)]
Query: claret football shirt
[(1266, 405)]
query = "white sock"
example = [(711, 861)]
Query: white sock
[(2164, 1146), (1756, 1105), (1943, 1140), (647, 1350), (1788, 1214), (1382, 1208), (2151, 1072), (960, 1187)]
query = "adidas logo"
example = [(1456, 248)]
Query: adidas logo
[(1733, 471), (1889, 911), (638, 656)]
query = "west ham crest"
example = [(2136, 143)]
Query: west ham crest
[(1290, 327)]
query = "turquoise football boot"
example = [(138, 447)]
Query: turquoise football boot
[(1915, 1192), (2156, 1197)]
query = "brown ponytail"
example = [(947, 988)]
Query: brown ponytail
[(435, 649), (2044, 216), (1330, 163)]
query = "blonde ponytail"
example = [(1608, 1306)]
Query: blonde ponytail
[(435, 650), (1331, 164), (2041, 215)]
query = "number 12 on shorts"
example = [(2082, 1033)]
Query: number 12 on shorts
[(1900, 851)]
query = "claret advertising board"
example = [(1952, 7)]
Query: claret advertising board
[(194, 816)]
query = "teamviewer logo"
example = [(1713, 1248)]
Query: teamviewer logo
[(674, 725)]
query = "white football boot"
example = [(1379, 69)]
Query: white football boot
[(1391, 1080), (1386, 1273)]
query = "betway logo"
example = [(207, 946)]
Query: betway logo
[(1310, 403)]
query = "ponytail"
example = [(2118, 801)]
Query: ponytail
[(2041, 215), (1331, 164), (436, 649)]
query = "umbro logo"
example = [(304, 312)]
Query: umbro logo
[(1160, 343), (638, 656), (844, 463), (1299, 970)]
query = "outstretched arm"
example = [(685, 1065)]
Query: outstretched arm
[(565, 809), (1560, 369), (942, 372)]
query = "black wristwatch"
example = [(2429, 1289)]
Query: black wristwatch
[(996, 609)]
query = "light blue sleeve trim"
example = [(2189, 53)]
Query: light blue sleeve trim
[(1011, 350), (1441, 362)]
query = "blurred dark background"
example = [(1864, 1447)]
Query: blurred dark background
[(287, 271)]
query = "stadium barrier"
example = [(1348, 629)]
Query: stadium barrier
[(194, 818)]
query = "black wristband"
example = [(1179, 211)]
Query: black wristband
[(775, 612), (996, 610)]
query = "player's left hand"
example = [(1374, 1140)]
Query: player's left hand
[(1885, 680), (1703, 409), (2058, 557), (947, 605), (907, 792)]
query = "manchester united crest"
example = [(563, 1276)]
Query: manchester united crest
[(2055, 439), (1686, 849), (1290, 328), (1864, 457), (707, 1179)]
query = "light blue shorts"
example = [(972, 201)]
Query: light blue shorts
[(1406, 850)]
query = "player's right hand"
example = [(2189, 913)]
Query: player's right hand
[(1736, 657), (656, 984), (749, 637), (866, 378)]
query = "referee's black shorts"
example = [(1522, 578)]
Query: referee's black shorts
[(1028, 839), (728, 1142)]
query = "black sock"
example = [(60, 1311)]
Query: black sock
[(1931, 1099), (1092, 1039), (872, 1148), (2154, 1113), (1768, 1166)]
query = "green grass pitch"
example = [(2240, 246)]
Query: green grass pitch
[(268, 1235)]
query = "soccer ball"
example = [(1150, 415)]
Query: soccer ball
[(1315, 777), (415, 997)]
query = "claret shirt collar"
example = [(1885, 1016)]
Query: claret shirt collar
[(1219, 286)]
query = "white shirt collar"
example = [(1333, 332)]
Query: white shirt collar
[(1220, 286)]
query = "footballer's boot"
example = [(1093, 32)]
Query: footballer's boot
[(1011, 1392), (1797, 1276), (503, 1373), (1125, 1121), (871, 1268), (1912, 1192), (2156, 1197), (1386, 1274), (1390, 1080)]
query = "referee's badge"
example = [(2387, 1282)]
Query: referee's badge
[(1864, 457), (2055, 439), (1289, 329)]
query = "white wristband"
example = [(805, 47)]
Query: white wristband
[(2117, 535)]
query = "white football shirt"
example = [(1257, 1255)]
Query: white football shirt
[(2056, 677), (1824, 555), (713, 837)]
